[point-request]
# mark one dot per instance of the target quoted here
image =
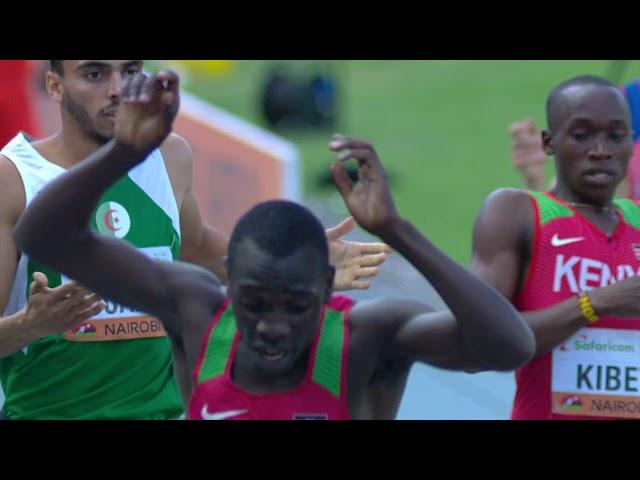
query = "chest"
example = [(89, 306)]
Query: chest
[(571, 255), (219, 399)]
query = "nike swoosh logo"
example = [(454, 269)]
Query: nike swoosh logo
[(559, 242), (219, 415)]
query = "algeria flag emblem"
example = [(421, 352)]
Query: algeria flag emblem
[(113, 220)]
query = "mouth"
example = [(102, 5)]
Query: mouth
[(270, 354), (599, 176)]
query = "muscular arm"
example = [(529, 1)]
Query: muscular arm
[(502, 237), (200, 244), (13, 335), (483, 330)]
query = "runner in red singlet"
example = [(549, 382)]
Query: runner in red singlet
[(570, 258)]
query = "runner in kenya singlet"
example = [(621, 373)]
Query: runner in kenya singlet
[(596, 372), (321, 395)]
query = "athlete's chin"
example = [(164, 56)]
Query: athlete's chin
[(599, 192), (274, 368), (107, 128), (108, 133), (598, 186)]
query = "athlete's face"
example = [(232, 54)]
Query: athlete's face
[(591, 139), (89, 91), (277, 304)]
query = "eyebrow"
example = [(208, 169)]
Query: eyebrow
[(590, 120), (133, 63), (259, 289), (97, 64)]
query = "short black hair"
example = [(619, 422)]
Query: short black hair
[(280, 228), (582, 80), (57, 67)]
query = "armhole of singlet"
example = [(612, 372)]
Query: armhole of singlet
[(534, 248), (22, 173), (629, 211), (206, 347), (344, 384), (174, 212)]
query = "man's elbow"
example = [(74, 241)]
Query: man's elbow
[(26, 240), (504, 354), (33, 246), (518, 351), (43, 243), (516, 343)]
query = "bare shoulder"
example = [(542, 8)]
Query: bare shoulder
[(192, 283), (377, 379), (508, 208), (12, 193), (508, 198), (192, 296), (178, 161), (176, 151)]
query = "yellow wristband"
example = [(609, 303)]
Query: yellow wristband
[(586, 308)]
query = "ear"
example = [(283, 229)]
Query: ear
[(55, 89), (331, 273), (547, 143)]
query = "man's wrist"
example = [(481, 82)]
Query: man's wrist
[(24, 331), (128, 153)]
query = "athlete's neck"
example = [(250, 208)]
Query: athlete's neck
[(601, 214), (571, 197), (67, 147)]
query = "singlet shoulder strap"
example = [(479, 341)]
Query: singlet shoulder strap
[(219, 341), (548, 208), (331, 349), (630, 211)]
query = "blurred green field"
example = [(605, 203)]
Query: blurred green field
[(440, 128)]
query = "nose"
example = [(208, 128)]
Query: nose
[(272, 330), (115, 86), (600, 151)]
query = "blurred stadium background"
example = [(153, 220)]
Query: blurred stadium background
[(440, 128)]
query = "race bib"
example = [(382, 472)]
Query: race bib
[(597, 373), (117, 322)]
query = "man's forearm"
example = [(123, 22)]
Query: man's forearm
[(487, 320), (555, 324), (14, 333)]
